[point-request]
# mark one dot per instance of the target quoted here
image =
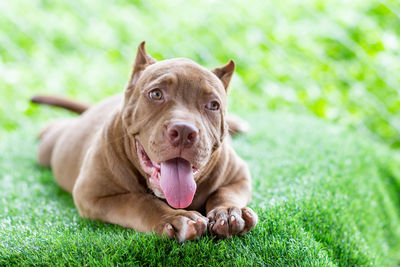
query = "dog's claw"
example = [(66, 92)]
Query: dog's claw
[(225, 222), (169, 230), (185, 225)]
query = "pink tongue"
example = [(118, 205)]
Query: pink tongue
[(177, 182)]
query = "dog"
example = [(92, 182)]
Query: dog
[(156, 158)]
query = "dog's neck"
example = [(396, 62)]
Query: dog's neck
[(120, 151)]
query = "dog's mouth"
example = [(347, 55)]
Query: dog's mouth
[(173, 177)]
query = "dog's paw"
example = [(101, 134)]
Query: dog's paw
[(228, 221), (184, 225)]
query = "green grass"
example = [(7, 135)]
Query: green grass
[(324, 195)]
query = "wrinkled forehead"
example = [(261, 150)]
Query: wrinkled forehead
[(183, 73)]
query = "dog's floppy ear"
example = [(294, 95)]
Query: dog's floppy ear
[(225, 73), (141, 62)]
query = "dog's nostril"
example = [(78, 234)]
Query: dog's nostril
[(192, 137), (173, 133), (173, 136)]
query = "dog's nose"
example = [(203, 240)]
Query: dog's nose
[(182, 134)]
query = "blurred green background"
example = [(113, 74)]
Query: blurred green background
[(338, 60)]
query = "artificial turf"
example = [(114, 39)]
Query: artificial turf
[(324, 195)]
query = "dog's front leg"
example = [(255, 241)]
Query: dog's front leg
[(227, 212), (140, 211)]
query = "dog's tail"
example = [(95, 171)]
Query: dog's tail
[(236, 124), (61, 102)]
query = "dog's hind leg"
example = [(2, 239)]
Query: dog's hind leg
[(236, 125), (47, 140)]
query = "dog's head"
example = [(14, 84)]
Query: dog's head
[(175, 111)]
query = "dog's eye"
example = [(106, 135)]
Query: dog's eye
[(213, 105), (156, 94)]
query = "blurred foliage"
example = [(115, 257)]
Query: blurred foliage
[(336, 59)]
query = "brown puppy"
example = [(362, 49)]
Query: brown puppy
[(155, 157)]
